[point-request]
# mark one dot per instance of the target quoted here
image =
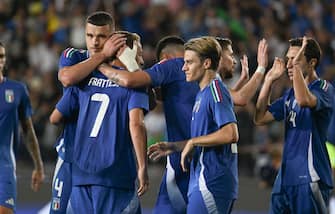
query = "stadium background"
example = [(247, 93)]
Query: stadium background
[(35, 33)]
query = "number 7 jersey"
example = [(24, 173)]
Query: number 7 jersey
[(102, 143)]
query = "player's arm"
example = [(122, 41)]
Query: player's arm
[(163, 149), (304, 97), (262, 115), (70, 75), (225, 135), (34, 150), (139, 139), (56, 117), (242, 96), (136, 79)]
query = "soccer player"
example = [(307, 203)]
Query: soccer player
[(213, 171), (15, 109), (178, 100), (304, 181), (74, 66), (106, 147)]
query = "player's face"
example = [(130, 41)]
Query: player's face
[(96, 36), (139, 56), (227, 63), (291, 53), (193, 67), (2, 58)]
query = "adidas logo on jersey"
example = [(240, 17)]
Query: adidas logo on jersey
[(10, 201)]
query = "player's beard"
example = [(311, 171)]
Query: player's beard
[(228, 74)]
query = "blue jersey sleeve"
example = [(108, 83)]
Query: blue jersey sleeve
[(324, 93), (222, 104), (277, 108), (139, 99), (68, 104), (166, 72), (25, 109), (72, 56)]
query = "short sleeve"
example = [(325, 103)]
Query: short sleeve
[(70, 56), (277, 109), (222, 104), (25, 109), (166, 72), (324, 93), (68, 104), (138, 99)]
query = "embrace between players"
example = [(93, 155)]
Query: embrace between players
[(105, 100)]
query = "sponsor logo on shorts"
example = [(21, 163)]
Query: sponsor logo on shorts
[(55, 203)]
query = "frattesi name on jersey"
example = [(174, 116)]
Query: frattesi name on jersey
[(102, 83)]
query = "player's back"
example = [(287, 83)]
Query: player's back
[(103, 144), (178, 100)]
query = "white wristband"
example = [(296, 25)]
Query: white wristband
[(260, 69)]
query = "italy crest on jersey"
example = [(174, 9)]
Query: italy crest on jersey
[(9, 94), (55, 203)]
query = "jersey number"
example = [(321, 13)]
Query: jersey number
[(292, 115), (104, 99), (58, 186)]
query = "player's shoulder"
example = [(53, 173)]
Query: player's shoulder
[(217, 90), (15, 83), (70, 52), (171, 61), (320, 84)]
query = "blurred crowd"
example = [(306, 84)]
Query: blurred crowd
[(36, 32)]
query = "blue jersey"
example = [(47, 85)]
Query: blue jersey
[(64, 144), (213, 169), (305, 158), (178, 99), (14, 106), (103, 143)]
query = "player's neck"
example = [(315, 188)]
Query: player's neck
[(1, 77), (311, 77), (207, 79)]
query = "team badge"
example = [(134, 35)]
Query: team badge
[(55, 203), (9, 94)]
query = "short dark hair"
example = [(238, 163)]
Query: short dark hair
[(2, 44), (224, 42), (101, 18), (312, 50), (131, 37), (168, 40)]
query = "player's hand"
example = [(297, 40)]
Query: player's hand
[(245, 68), (113, 44), (127, 56), (159, 150), (37, 179), (143, 179), (300, 55), (262, 53), (277, 70), (186, 155)]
